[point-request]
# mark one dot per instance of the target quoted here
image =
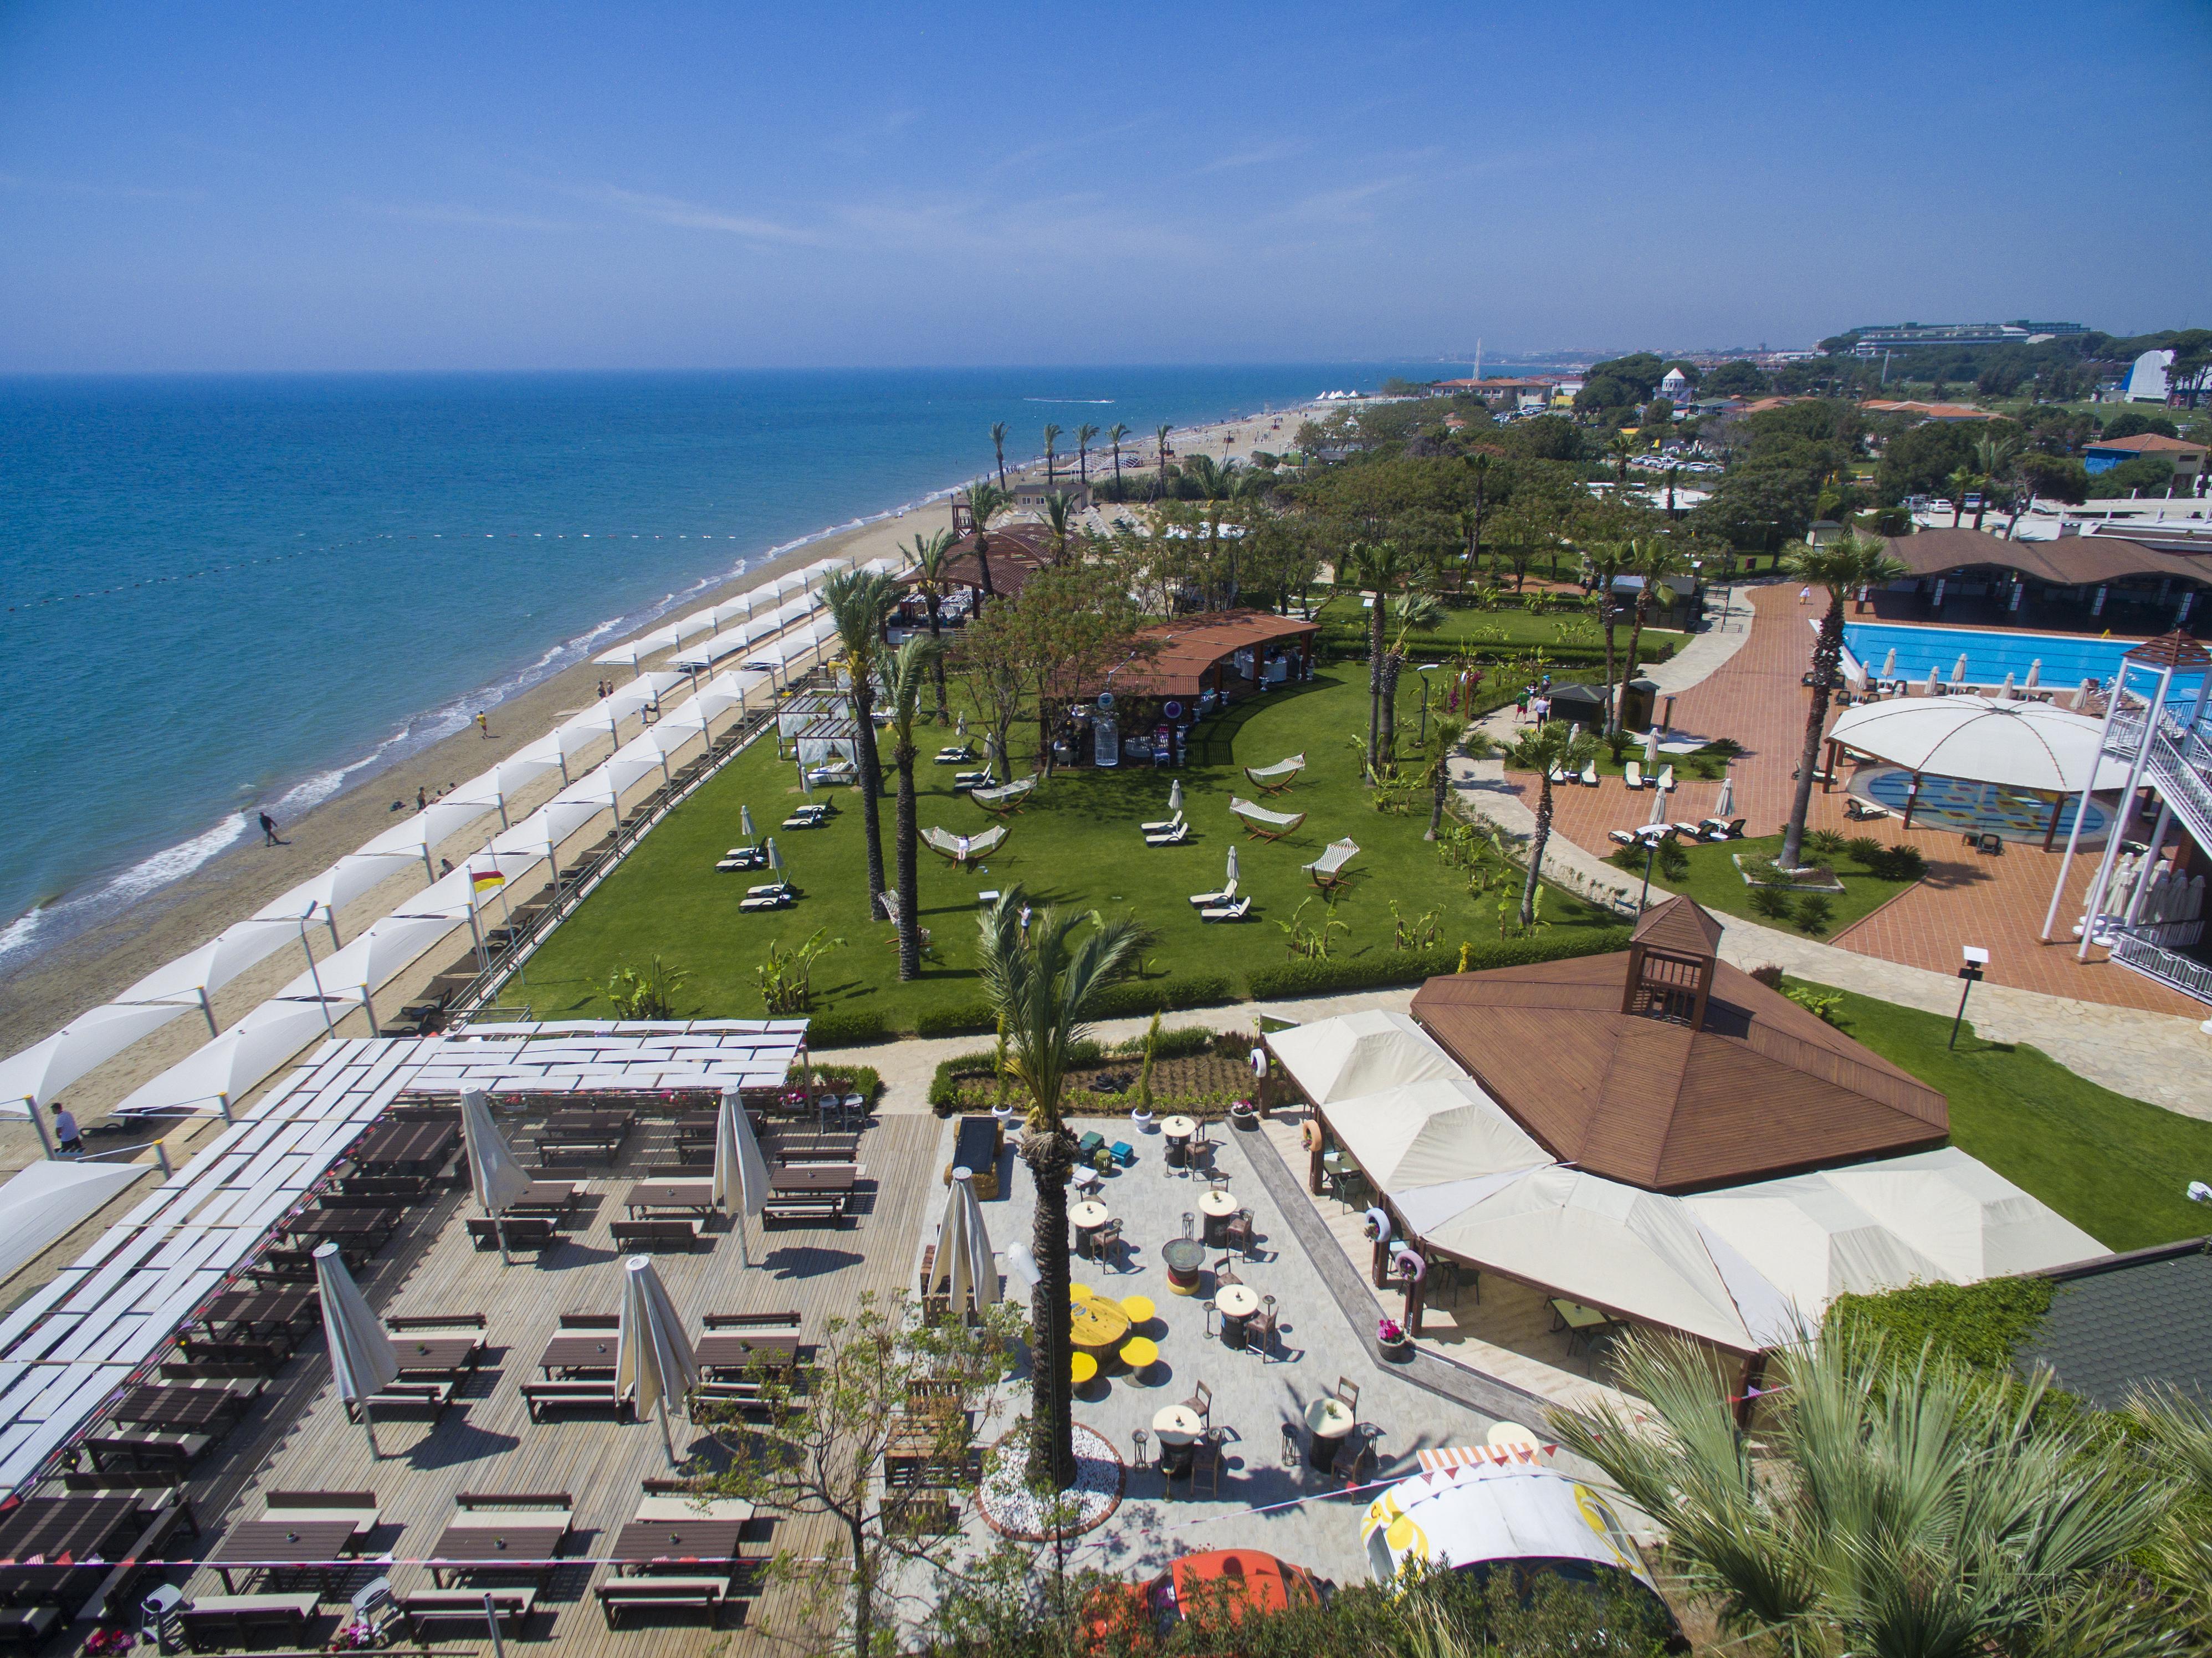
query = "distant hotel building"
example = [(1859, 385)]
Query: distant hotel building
[(1872, 342)]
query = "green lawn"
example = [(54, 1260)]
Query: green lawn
[(1076, 843), (1345, 618), (1714, 881), (2115, 1167)]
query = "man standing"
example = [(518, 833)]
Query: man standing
[(269, 831), (67, 1139), (483, 726)]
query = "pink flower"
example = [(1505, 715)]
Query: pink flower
[(1391, 1331)]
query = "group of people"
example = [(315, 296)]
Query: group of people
[(1535, 698)]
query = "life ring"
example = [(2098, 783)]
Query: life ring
[(1408, 1262), (1378, 1224), (1309, 1136)]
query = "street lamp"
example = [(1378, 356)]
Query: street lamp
[(1978, 959), (1651, 835), (1424, 670)]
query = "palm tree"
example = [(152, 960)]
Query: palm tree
[(1994, 458), (1059, 519), (1042, 989), (859, 601), (1623, 447), (1555, 744), (1115, 433), (1051, 451), (1160, 434), (1606, 561), (1898, 1506), (985, 502), (930, 556), (1653, 561), (999, 444), (1082, 436), (1218, 484), (1378, 565), (1856, 560), (908, 668), (1449, 730), (1963, 483), (1416, 612)]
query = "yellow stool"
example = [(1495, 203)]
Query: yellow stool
[(1079, 1292), (1139, 1308), (1140, 1354), (1081, 1368)]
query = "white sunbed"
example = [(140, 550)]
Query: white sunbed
[(1173, 837), (1329, 869), (1234, 912), (1633, 774), (1263, 824), (973, 779), (1163, 826), (1666, 779), (1214, 899), (1589, 773), (1558, 774)]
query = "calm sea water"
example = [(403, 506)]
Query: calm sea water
[(226, 593)]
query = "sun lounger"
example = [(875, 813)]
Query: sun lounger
[(1163, 825), (1235, 912), (1688, 831), (965, 849), (973, 779), (1327, 870), (1173, 837), (1273, 779), (1666, 779), (1212, 900), (956, 757), (1558, 774), (1590, 773), (1621, 837), (1632, 774), (844, 772), (1861, 812), (1733, 831), (1265, 825), (1005, 800)]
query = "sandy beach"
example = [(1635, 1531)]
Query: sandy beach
[(93, 967)]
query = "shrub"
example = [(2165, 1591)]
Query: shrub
[(1981, 1324), (862, 1079), (1772, 901), (849, 1028), (1176, 1044), (647, 995), (1320, 978), (1865, 850), (1727, 747), (1899, 864), (956, 1021), (1826, 1007), (1769, 975), (1825, 844), (945, 1086), (1137, 996), (1815, 910)]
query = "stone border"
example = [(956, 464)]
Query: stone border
[(1089, 1517)]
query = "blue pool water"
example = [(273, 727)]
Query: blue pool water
[(1985, 808), (2067, 659)]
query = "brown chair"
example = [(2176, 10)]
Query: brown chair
[(1348, 1391), (1201, 1401), (1350, 1454), (1237, 1234), (1106, 1241), (1205, 1464), (1223, 1273), (1259, 1329)]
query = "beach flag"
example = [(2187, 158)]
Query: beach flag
[(482, 881)]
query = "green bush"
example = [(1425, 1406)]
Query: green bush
[(848, 1029), (862, 1079), (1899, 864), (1139, 996), (1865, 850), (1772, 901), (945, 1086), (1176, 1044), (1815, 910), (1825, 843), (1981, 1324), (956, 1021), (1305, 978)]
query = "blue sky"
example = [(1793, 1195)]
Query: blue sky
[(227, 187)]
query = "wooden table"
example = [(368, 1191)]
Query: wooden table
[(184, 1408), (1236, 1302), (1097, 1322), (1179, 1131), (63, 1529), (1327, 1421), (814, 1176), (409, 1148), (544, 1195), (677, 1542), (726, 1349), (1183, 1257), (474, 1544), (697, 1195), (253, 1311), (276, 1543), (1218, 1207), (593, 1350), (436, 1355)]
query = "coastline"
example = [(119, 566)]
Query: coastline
[(81, 971)]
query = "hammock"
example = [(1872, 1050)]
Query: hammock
[(1264, 824), (1004, 800), (1273, 779), (965, 849), (1327, 870)]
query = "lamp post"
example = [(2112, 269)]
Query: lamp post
[(1978, 960), (1652, 838), (1424, 670)]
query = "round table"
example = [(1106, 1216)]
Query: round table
[(1218, 1207), (1183, 1257), (1177, 1428), (1506, 1436), (1087, 1217), (1097, 1322), (1327, 1421), (1179, 1131), (1236, 1302)]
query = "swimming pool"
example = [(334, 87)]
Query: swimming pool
[(2065, 659)]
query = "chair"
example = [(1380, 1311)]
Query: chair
[(1632, 774), (1990, 844), (1259, 1328), (1237, 1234), (1327, 870), (1262, 824), (1351, 1452), (1223, 1273), (1139, 1310), (1235, 912), (1347, 1391), (1106, 1239), (1173, 837), (1201, 1402), (1590, 773), (1164, 825), (1215, 900), (1205, 1464)]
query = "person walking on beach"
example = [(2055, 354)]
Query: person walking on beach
[(422, 798), (67, 1140), (483, 726), (269, 831)]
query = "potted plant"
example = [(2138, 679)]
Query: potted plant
[(1397, 1345), (1243, 1114)]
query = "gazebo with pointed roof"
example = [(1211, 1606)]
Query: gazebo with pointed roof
[(1664, 1067)]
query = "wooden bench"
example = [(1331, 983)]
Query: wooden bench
[(707, 1594), (236, 1615), (820, 1209), (752, 1320), (654, 1233), (28, 1624), (542, 1396), (359, 1508), (512, 1605), (438, 1321), (422, 1400), (523, 1232)]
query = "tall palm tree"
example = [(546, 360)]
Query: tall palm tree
[(1059, 522), (985, 502), (1555, 744), (860, 602), (1605, 561), (1449, 738), (1051, 452), (999, 446), (1218, 484), (1653, 559), (1994, 459), (1416, 612), (1963, 483), (1894, 1505), (1084, 434), (930, 556), (908, 670), (1623, 447), (1379, 565), (1160, 435), (1042, 989), (1115, 433), (1856, 560)]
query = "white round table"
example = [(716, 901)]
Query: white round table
[(1328, 1420), (1178, 1425), (1504, 1436), (1089, 1213), (1178, 1127), (1237, 1300), (1217, 1203)]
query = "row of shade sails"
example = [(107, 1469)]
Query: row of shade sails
[(1746, 1267), (234, 1061), (709, 637)]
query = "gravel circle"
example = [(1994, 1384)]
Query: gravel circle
[(1011, 1508)]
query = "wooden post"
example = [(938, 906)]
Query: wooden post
[(2050, 833), (1414, 1302), (1754, 1372)]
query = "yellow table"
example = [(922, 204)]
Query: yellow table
[(1140, 1352), (1081, 1368), (1098, 1322)]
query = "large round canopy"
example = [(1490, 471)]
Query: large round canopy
[(2015, 745)]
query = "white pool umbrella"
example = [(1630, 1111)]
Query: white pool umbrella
[(960, 726), (1651, 747), (2022, 745), (775, 857), (1232, 863), (746, 822), (1931, 679), (653, 1359), (740, 1171), (1889, 664), (498, 1180), (1958, 669), (963, 1248), (1175, 797), (2081, 695), (2010, 691), (2035, 673), (1726, 803), (362, 1361)]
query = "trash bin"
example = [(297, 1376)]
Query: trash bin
[(1636, 707)]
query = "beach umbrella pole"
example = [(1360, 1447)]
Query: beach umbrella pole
[(745, 1249), (208, 1008), (39, 1123), (367, 1423), (667, 1445)]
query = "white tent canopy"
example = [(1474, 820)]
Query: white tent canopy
[(234, 1064), (427, 828), (94, 1036), (1361, 1053), (492, 787), (371, 961), (214, 963), (1478, 1513), (542, 833), (1963, 1215), (1428, 1133), (2023, 745), (451, 897), (46, 1199), (356, 873)]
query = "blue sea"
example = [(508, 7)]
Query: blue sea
[(227, 593)]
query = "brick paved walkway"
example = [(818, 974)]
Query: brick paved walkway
[(1998, 903)]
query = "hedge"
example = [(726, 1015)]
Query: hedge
[(849, 1028), (944, 1086), (1137, 996), (956, 1021), (1290, 979), (862, 1079)]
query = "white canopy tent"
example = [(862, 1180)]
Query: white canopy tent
[(494, 788), (1963, 1215), (453, 897), (1431, 1133), (214, 1077), (1361, 1053), (1478, 1513), (382, 952), (321, 899), (45, 1201), (427, 829), (41, 1071), (191, 980), (2023, 745)]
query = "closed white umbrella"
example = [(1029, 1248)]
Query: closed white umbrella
[(746, 822), (1175, 797), (775, 857), (1658, 806), (960, 725), (497, 1179), (1958, 669), (1889, 664), (963, 1248), (362, 1362), (740, 1171), (2010, 689), (1931, 679), (1651, 747), (2035, 673), (653, 1359), (2081, 695), (1726, 803), (1232, 863)]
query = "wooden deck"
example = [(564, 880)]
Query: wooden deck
[(301, 1439)]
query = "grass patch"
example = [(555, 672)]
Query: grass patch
[(1076, 843), (2114, 1166), (1344, 621), (1715, 882)]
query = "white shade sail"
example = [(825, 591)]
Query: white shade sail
[(338, 886), (2024, 746), (1429, 1134), (496, 1178), (214, 963), (542, 833), (1963, 1215), (1361, 1053), (1811, 1242), (231, 1066), (44, 1201), (427, 828), (452, 896), (362, 1361), (94, 1036), (496, 787), (371, 961)]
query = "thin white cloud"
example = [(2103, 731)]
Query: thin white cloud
[(1283, 150), (691, 216)]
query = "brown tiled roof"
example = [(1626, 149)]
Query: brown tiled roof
[(1765, 1088), (1016, 550), (2069, 561), (2154, 443), (2174, 650), (1176, 653), (1680, 924)]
